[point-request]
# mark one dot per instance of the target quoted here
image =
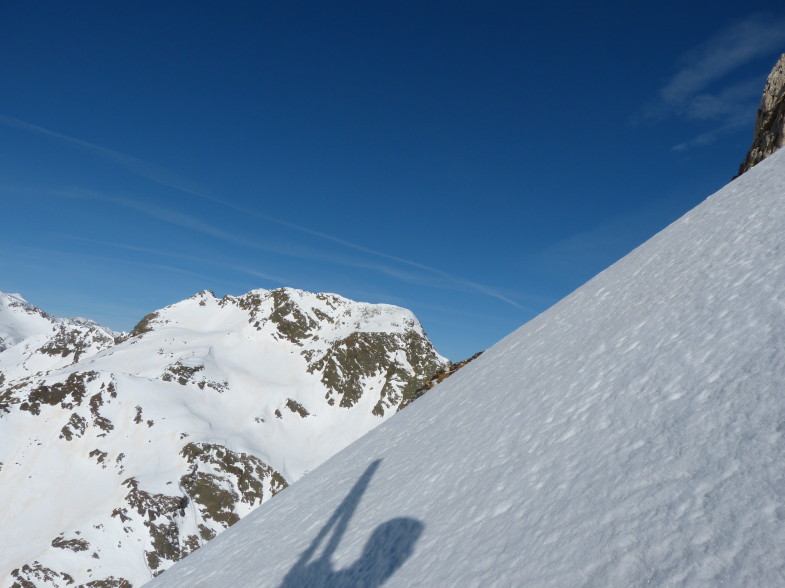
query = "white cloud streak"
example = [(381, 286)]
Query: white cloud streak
[(45, 256), (278, 279), (708, 137), (429, 277), (730, 49), (699, 91), (200, 260), (141, 168), (169, 179)]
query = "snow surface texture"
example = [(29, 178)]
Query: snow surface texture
[(631, 434), (117, 465)]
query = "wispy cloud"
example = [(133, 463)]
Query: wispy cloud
[(426, 277), (725, 102), (145, 169), (731, 48), (700, 91), (192, 258), (169, 179), (42, 254), (186, 221), (740, 120), (467, 284)]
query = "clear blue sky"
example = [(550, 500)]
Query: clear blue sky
[(472, 161)]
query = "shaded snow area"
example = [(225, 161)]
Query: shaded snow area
[(121, 456), (633, 434)]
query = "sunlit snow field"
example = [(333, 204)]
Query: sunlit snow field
[(631, 434)]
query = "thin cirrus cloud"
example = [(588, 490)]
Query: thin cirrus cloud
[(724, 103), (264, 275), (430, 277), (200, 260), (711, 136), (40, 256), (167, 178), (147, 170), (701, 91)]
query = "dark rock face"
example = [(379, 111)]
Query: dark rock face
[(351, 361), (770, 121)]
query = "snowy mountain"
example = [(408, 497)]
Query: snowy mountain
[(31, 341), (632, 434), (119, 455)]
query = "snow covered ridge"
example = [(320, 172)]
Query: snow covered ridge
[(158, 440), (631, 435), (32, 341)]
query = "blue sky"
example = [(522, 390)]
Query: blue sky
[(472, 161)]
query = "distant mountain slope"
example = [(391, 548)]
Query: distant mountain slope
[(116, 460), (630, 435), (19, 320), (31, 341)]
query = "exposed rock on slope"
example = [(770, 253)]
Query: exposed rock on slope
[(438, 377), (770, 121), (204, 411)]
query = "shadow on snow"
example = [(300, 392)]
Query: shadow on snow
[(388, 547)]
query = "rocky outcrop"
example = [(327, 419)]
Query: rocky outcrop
[(439, 376), (770, 121)]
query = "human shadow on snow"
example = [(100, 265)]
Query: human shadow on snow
[(388, 547)]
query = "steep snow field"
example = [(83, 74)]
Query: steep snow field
[(631, 434)]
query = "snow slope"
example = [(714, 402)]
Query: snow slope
[(631, 434), (116, 465), (31, 341), (19, 320)]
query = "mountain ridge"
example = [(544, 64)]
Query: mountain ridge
[(159, 439)]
